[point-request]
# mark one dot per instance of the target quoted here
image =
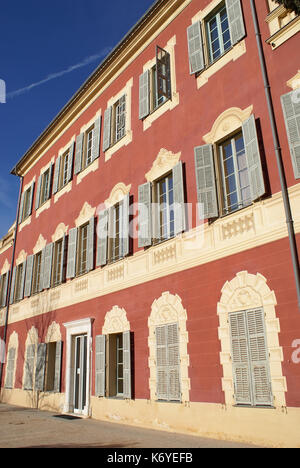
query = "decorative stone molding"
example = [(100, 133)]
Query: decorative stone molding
[(294, 83), (86, 213), (248, 291), (21, 257), (115, 321), (5, 268), (53, 333), (164, 162), (40, 245), (169, 309), (13, 343), (119, 191), (60, 232), (227, 122)]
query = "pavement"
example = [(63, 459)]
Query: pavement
[(31, 428)]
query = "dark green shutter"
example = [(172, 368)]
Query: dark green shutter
[(236, 20), (291, 111), (256, 177), (144, 95), (195, 48), (206, 182), (78, 153), (145, 216), (72, 253), (100, 361)]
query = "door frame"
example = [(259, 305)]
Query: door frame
[(78, 327)]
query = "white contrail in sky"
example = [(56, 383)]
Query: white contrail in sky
[(52, 76)]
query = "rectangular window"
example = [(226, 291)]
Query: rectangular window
[(88, 147), (19, 285), (235, 174), (168, 362), (26, 204), (164, 198), (45, 187), (115, 240), (119, 119), (82, 250), (58, 258), (64, 175), (36, 278), (3, 284), (218, 34), (115, 356)]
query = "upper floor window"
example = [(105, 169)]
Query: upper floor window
[(44, 187), (164, 198), (80, 256), (19, 284), (218, 34), (26, 203), (82, 253), (58, 262), (114, 123), (63, 169), (3, 289), (87, 146), (37, 273)]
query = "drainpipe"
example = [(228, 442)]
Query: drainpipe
[(284, 189), (10, 274)]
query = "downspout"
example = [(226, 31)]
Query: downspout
[(10, 274), (278, 153)]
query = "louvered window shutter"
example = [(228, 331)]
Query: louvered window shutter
[(236, 20), (4, 286), (31, 199), (78, 153), (56, 175), (206, 182), (42, 270), (90, 244), (174, 390), (178, 197), (144, 96), (10, 368), (28, 279), (259, 358), (124, 240), (38, 192), (40, 366), (96, 139), (72, 253), (145, 216), (22, 281), (291, 112), (195, 48), (127, 364), (102, 236), (48, 194), (12, 287), (162, 370), (48, 266), (240, 358), (58, 360), (256, 177), (29, 367), (100, 361), (63, 261), (21, 208), (70, 162), (107, 128)]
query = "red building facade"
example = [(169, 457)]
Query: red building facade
[(152, 281)]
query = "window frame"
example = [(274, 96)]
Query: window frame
[(26, 211), (45, 187), (80, 261), (216, 14), (18, 283), (57, 267), (88, 147), (36, 274), (160, 208), (2, 289)]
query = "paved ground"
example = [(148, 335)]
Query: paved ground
[(22, 427)]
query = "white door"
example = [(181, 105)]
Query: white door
[(80, 374)]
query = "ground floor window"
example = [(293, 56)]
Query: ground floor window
[(168, 362)]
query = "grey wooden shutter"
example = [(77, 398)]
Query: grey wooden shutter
[(57, 372), (259, 358), (125, 226), (96, 139), (63, 258), (21, 296), (48, 194), (12, 287), (56, 175), (206, 182), (100, 361), (145, 216), (195, 48), (70, 162), (144, 95), (256, 177), (72, 253), (90, 244), (236, 20), (240, 358), (291, 112), (40, 366), (31, 199), (162, 373), (107, 128), (4, 286), (29, 367), (21, 208), (42, 270), (78, 153), (28, 279), (48, 266), (173, 356), (163, 74), (9, 378), (102, 236), (127, 365), (38, 192), (178, 198)]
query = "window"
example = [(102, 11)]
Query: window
[(44, 187), (58, 262), (252, 382), (168, 362), (164, 197), (48, 367), (63, 169), (114, 123), (218, 34), (29, 367), (17, 286), (37, 270), (3, 289), (10, 367), (80, 256), (82, 250), (87, 147), (26, 204)]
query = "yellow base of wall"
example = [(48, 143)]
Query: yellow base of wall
[(263, 427)]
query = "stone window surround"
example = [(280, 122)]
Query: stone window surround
[(94, 166)]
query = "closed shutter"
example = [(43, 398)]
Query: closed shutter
[(144, 217), (42, 270), (100, 362), (163, 74), (162, 370), (63, 261), (107, 128), (240, 358), (31, 199), (29, 367), (58, 361), (48, 266), (291, 112), (4, 286), (256, 177), (38, 192), (78, 153), (236, 20), (56, 175), (40, 366), (48, 194), (102, 236), (144, 96), (9, 378), (259, 358), (174, 391), (22, 286), (96, 139), (195, 48), (127, 364), (28, 279), (124, 240), (206, 182), (90, 244), (72, 253), (178, 197), (21, 208), (12, 286), (70, 162)]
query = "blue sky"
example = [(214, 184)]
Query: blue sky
[(46, 53)]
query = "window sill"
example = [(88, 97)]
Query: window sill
[(66, 189), (124, 141), (265, 407), (90, 168), (160, 110), (24, 223), (231, 55), (45, 206)]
